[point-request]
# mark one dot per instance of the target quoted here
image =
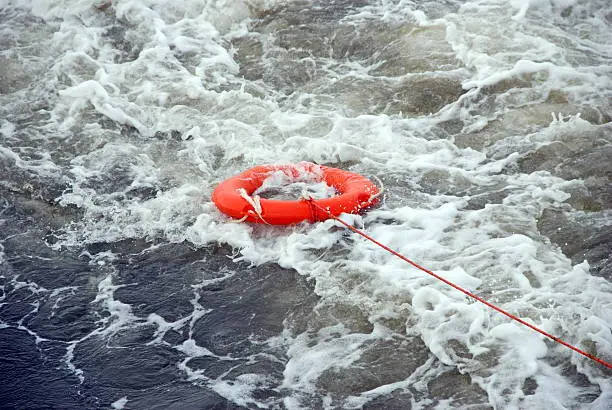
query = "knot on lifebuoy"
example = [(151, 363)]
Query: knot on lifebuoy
[(312, 207), (255, 202)]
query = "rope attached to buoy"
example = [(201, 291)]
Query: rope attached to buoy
[(255, 202), (460, 289)]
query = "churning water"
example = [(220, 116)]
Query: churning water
[(488, 123)]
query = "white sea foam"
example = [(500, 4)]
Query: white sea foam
[(120, 403), (285, 185), (180, 74)]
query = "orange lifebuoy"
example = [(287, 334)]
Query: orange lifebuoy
[(233, 196)]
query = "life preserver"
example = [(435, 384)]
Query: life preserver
[(233, 196)]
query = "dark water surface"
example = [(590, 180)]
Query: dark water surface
[(121, 286)]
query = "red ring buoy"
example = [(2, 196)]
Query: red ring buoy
[(232, 196)]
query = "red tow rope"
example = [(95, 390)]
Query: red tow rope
[(460, 289)]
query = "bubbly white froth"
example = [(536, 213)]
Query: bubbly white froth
[(183, 117)]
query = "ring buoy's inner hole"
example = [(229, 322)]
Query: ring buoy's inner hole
[(280, 185)]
